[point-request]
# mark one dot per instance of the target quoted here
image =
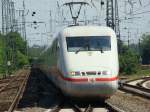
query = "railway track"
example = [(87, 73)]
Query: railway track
[(145, 83), (135, 86), (106, 107), (11, 90)]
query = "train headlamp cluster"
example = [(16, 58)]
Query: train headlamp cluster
[(78, 73), (75, 73), (106, 72)]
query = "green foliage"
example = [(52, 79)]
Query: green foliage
[(21, 59), (1, 53), (129, 61), (19, 42), (13, 45), (20, 45), (145, 49), (1, 50)]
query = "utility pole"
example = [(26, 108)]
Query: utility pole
[(125, 7), (85, 19), (117, 26), (140, 51), (110, 14), (8, 25), (5, 26), (140, 46), (2, 8), (24, 27), (24, 22), (16, 29), (128, 38), (50, 22), (19, 23), (5, 16), (8, 15), (112, 19), (12, 17)]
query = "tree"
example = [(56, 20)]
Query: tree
[(19, 42), (1, 53), (145, 49), (22, 60), (128, 60)]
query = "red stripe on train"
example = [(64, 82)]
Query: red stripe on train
[(86, 79), (75, 79), (107, 79)]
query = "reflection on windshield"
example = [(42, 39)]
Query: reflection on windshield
[(90, 43)]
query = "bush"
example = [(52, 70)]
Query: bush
[(145, 49), (14, 46), (19, 42), (129, 61), (1, 54), (22, 59)]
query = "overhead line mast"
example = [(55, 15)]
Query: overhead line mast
[(112, 18), (8, 15), (117, 21), (110, 14)]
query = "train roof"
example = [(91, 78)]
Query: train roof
[(87, 31)]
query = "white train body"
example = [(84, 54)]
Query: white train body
[(83, 61)]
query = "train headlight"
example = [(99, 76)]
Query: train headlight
[(105, 72), (75, 73), (72, 73)]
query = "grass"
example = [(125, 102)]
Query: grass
[(140, 73)]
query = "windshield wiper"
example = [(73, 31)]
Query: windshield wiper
[(101, 49), (78, 50), (84, 46)]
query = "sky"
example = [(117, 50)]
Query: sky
[(42, 34)]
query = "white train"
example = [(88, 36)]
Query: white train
[(83, 61)]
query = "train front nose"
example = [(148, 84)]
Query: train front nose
[(92, 88)]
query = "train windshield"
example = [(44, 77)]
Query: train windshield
[(91, 43)]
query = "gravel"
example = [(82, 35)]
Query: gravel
[(129, 102)]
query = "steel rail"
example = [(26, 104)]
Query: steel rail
[(144, 92), (137, 79), (89, 109), (140, 84), (57, 108), (76, 108), (113, 108), (19, 93)]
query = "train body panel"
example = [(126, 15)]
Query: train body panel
[(86, 61)]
